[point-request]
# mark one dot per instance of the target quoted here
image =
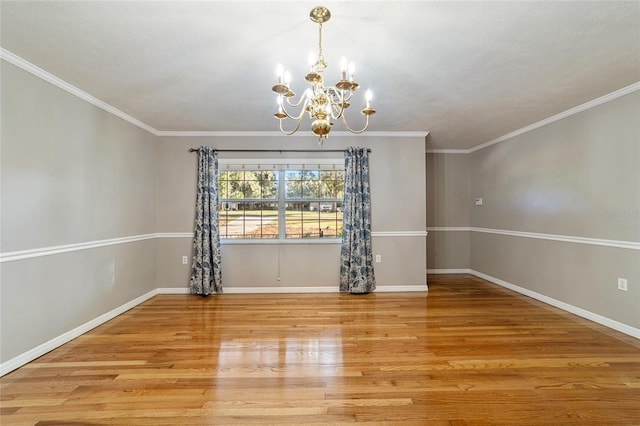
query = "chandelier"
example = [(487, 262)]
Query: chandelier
[(322, 104)]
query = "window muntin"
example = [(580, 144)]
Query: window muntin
[(278, 201)]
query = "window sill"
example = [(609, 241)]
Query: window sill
[(301, 241)]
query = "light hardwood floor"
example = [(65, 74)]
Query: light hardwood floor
[(467, 352)]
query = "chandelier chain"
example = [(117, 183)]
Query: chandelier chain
[(320, 40)]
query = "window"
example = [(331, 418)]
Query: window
[(313, 203), (261, 200), (248, 203)]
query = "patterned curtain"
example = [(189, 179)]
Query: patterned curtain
[(356, 268), (206, 273)]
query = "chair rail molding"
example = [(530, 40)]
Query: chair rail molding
[(48, 251), (630, 245)]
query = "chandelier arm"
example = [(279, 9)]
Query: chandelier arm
[(293, 117), (335, 99), (335, 95), (296, 104), (340, 99), (338, 111), (289, 133), (366, 125)]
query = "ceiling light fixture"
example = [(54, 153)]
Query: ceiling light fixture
[(323, 104)]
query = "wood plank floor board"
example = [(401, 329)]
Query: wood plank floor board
[(466, 353)]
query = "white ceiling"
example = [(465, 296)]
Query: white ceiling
[(467, 72)]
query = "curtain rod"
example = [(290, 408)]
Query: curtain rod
[(277, 150)]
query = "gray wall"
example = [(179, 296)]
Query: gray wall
[(448, 204), (576, 177), (398, 204), (579, 177), (70, 173)]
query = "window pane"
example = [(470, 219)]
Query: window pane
[(293, 183), (294, 218), (327, 189), (222, 185), (311, 225), (303, 184), (250, 185), (249, 220), (269, 184), (234, 184), (257, 218), (304, 220), (330, 221), (315, 218), (310, 189), (339, 184)]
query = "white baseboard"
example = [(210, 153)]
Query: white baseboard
[(402, 288), (172, 290), (259, 290), (448, 271), (38, 351), (607, 322), (317, 289)]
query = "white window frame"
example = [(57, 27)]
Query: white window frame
[(281, 164)]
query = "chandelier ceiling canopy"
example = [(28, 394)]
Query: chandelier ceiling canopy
[(322, 104)]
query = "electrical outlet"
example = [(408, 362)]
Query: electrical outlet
[(378, 258), (185, 259), (622, 284), (478, 201)]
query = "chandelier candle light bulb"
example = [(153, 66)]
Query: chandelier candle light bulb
[(322, 104), (279, 72), (343, 67)]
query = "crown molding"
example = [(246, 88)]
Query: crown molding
[(585, 106), (277, 134), (580, 108), (58, 82), (221, 133), (16, 60), (50, 78)]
